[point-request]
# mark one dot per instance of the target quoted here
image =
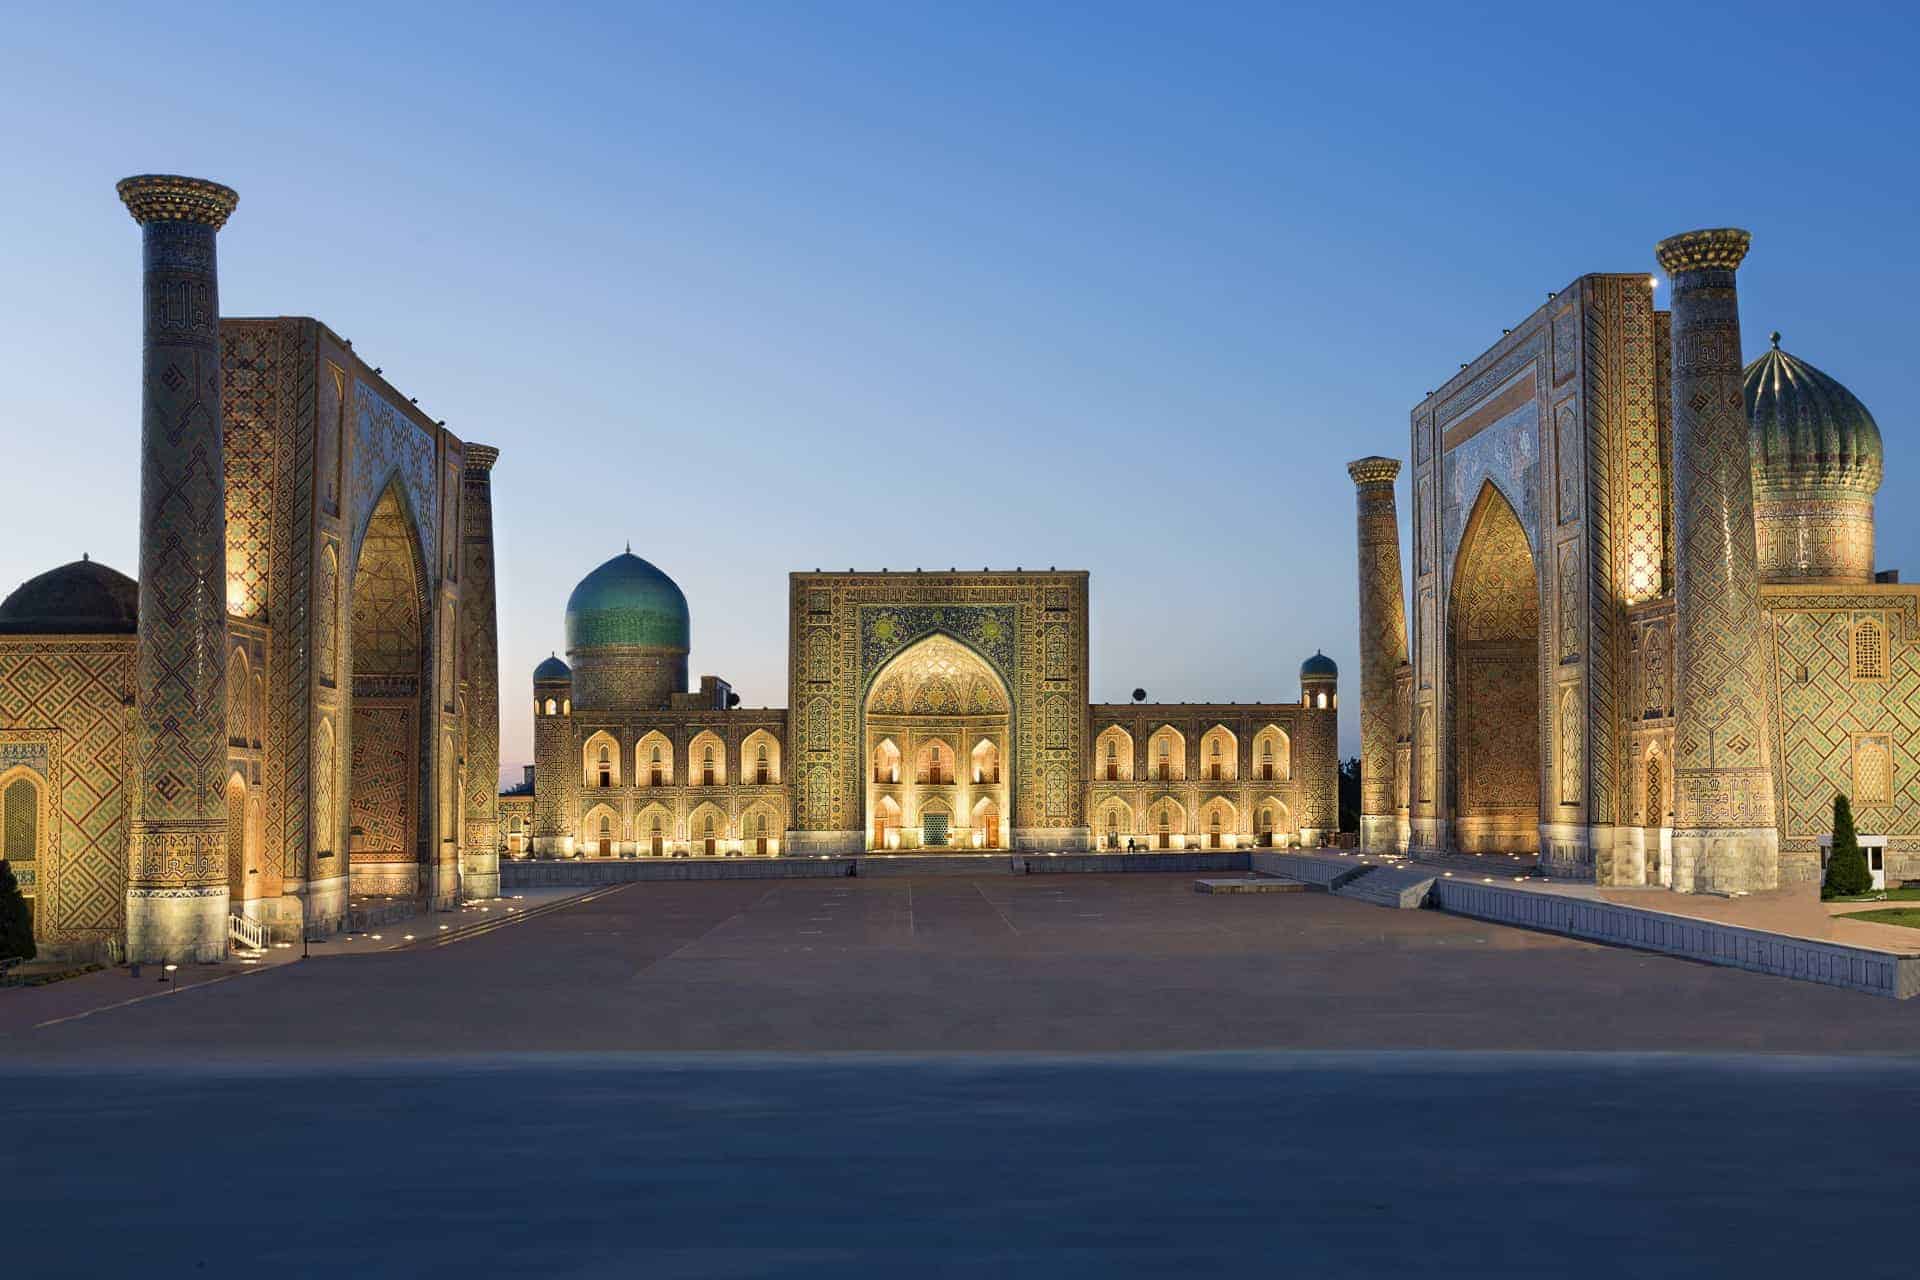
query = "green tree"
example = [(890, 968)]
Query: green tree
[(16, 921), (1350, 794), (1847, 872)]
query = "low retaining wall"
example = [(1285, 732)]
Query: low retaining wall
[(1323, 871), (1835, 964), (1100, 863), (935, 864), (540, 874)]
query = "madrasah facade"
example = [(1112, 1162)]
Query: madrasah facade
[(934, 711), (1649, 641)]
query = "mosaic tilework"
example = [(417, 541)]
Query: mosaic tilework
[(1721, 770), (388, 444), (65, 713), (848, 626), (1383, 629), (180, 808)]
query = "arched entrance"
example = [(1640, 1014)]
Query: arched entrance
[(1494, 640), (938, 721), (388, 648)]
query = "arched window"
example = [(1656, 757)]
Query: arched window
[(1113, 760), (1165, 766), (1868, 643), (933, 765), (706, 834), (606, 773), (706, 769), (553, 708), (20, 829), (1323, 702), (760, 765)]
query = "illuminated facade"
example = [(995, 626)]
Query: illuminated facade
[(1648, 640), (284, 712), (931, 711)]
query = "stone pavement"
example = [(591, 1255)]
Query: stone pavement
[(23, 1008)]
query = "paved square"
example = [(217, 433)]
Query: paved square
[(1005, 963)]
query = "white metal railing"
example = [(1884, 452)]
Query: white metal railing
[(249, 933)]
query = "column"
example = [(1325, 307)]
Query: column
[(1724, 838), (1383, 647), (177, 859), (480, 649)]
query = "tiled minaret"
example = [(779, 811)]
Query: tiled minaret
[(1383, 647), (1724, 838), (479, 648), (177, 862)]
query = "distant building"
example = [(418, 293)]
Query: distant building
[(933, 711)]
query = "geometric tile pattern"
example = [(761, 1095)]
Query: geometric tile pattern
[(1721, 768), (1383, 629), (65, 701), (845, 627), (178, 835)]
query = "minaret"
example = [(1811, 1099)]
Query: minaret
[(177, 860), (1383, 647), (1724, 838), (479, 646)]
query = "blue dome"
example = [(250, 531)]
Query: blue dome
[(553, 669), (627, 602), (1319, 666)]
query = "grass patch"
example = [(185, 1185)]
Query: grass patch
[(1908, 916), (1906, 893)]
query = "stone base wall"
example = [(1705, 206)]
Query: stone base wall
[(1856, 968)]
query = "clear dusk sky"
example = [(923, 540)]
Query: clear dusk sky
[(770, 287)]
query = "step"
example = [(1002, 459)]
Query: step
[(1405, 888), (1249, 884)]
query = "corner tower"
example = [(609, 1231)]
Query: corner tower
[(1724, 837), (177, 856), (1319, 749), (1383, 647)]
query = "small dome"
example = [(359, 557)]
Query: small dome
[(627, 601), (1319, 667), (82, 598), (553, 669), (1806, 431)]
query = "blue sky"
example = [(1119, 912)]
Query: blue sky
[(766, 287)]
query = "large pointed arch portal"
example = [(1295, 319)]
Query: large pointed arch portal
[(1494, 675), (944, 715), (390, 705)]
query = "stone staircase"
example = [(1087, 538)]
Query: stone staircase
[(1405, 888)]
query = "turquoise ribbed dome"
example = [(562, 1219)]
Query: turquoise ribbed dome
[(553, 669), (1319, 665), (1806, 431), (627, 601)]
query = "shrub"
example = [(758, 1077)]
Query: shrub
[(16, 922), (1847, 872)]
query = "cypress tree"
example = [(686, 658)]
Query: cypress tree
[(16, 923), (1847, 872)]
